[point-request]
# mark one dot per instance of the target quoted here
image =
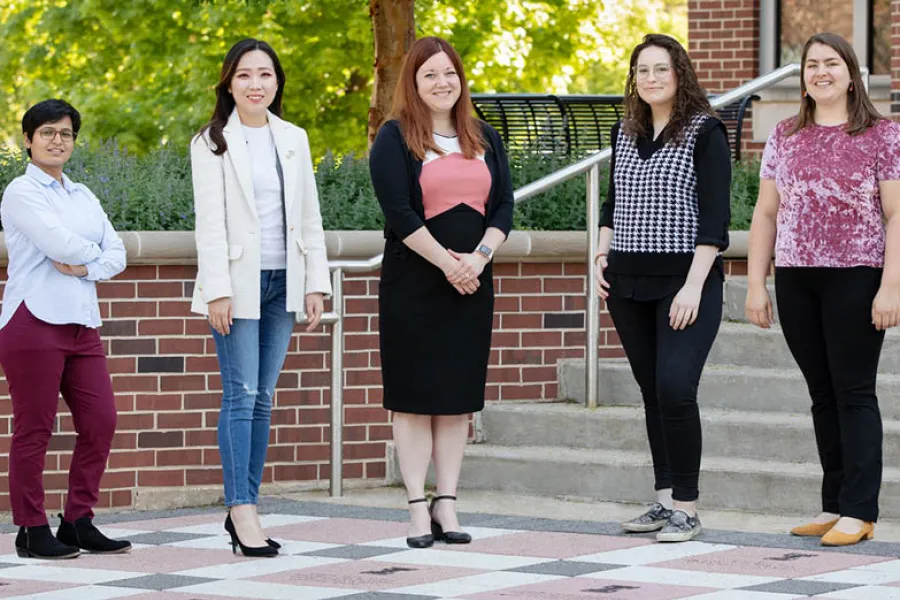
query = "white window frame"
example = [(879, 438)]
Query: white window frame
[(768, 31)]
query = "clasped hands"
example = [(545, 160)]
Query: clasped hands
[(463, 271)]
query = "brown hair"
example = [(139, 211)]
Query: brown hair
[(690, 98), (224, 99), (861, 112), (414, 115)]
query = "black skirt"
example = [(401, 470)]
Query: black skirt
[(435, 342)]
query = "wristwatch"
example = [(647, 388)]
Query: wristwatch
[(485, 251)]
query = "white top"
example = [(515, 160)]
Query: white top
[(46, 221), (449, 144), (267, 192)]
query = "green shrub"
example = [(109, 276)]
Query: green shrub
[(153, 191), (345, 194), (139, 193), (744, 190)]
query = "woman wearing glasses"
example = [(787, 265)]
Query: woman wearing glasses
[(662, 227), (60, 242)]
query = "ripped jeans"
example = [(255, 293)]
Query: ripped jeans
[(250, 360)]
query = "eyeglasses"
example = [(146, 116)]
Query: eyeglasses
[(659, 71), (66, 135)]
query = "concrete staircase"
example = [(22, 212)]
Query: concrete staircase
[(759, 447)]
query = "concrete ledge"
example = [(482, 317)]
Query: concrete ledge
[(166, 498), (177, 247)]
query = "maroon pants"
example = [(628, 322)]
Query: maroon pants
[(41, 360)]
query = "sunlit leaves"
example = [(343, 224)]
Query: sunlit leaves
[(143, 71)]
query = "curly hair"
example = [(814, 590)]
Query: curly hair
[(690, 98)]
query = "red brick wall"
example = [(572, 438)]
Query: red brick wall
[(167, 384), (723, 42)]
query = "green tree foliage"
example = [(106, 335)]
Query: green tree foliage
[(143, 71), (549, 46)]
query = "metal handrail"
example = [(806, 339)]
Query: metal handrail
[(584, 165), (590, 167)]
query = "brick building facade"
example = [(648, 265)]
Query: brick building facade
[(168, 392), (734, 41)]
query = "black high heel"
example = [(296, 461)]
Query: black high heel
[(422, 541), (269, 541), (448, 537), (266, 551)]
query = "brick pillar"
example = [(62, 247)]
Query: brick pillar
[(895, 59), (723, 42)]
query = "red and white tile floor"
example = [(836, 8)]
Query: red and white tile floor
[(360, 553)]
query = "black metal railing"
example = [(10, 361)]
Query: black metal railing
[(575, 124)]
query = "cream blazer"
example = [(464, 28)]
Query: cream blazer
[(227, 224)]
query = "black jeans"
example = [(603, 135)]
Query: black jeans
[(667, 365), (826, 316)]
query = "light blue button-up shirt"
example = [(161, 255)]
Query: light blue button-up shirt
[(44, 221)]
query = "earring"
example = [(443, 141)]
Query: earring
[(851, 87), (805, 93)]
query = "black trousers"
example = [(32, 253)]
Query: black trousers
[(667, 365), (826, 316)]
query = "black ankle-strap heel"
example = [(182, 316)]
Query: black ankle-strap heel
[(422, 541), (448, 537)]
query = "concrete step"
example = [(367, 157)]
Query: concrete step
[(621, 476), (728, 434), (742, 344), (721, 387), (735, 294)]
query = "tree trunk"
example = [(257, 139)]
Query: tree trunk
[(394, 26)]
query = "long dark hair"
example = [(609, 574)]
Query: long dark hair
[(413, 114), (861, 113), (690, 98), (225, 101)]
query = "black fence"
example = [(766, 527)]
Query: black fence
[(572, 124)]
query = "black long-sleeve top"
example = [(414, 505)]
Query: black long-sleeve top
[(712, 166), (395, 175)]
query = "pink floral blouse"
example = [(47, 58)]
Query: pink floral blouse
[(829, 213)]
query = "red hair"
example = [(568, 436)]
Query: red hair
[(415, 116)]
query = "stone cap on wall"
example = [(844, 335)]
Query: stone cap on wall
[(177, 247)]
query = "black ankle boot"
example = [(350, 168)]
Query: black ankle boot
[(38, 542), (84, 535)]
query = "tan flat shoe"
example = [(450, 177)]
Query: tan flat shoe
[(839, 538), (813, 529)]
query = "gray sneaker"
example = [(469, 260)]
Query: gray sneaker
[(680, 528), (652, 520)]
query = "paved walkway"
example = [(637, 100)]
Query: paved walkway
[(358, 552)]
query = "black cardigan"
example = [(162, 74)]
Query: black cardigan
[(395, 175)]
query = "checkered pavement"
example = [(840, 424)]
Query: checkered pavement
[(334, 551)]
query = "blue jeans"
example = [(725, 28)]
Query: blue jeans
[(250, 360)]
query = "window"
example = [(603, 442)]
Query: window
[(880, 28), (799, 19)]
